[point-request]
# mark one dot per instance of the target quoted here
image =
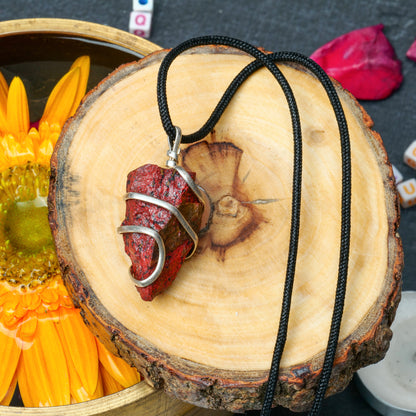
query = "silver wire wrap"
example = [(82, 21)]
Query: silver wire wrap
[(171, 208), (162, 252), (172, 153)]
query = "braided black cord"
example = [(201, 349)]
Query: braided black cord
[(296, 181), (345, 210), (225, 41), (346, 199), (345, 225)]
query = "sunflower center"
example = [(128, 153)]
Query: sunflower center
[(27, 254), (27, 227)]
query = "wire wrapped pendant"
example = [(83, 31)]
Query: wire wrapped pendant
[(164, 210)]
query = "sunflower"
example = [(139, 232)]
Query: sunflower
[(45, 347)]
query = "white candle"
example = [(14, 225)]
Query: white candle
[(390, 385)]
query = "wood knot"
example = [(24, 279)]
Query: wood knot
[(228, 206), (233, 218), (231, 222)]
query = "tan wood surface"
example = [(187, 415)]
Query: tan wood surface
[(209, 339)]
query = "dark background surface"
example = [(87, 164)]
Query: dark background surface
[(295, 25)]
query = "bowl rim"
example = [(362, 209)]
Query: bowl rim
[(131, 42), (94, 407), (80, 28)]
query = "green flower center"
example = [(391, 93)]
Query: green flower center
[(27, 225), (27, 254)]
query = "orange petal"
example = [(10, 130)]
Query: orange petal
[(27, 330), (4, 89), (4, 288), (99, 392), (26, 387), (45, 363), (78, 391), (83, 63), (117, 367), (60, 102), (49, 295), (9, 353), (83, 350), (10, 321), (64, 298), (30, 300), (110, 385), (9, 395), (20, 311), (17, 108), (10, 304), (62, 290), (3, 104), (10, 301)]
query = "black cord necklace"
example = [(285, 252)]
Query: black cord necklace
[(268, 61)]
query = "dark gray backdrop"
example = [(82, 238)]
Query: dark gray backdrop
[(298, 25)]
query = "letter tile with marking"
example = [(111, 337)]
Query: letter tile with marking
[(143, 6), (407, 192), (409, 156), (140, 23)]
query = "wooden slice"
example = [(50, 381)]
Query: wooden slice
[(209, 338)]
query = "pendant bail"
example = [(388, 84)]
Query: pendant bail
[(174, 150)]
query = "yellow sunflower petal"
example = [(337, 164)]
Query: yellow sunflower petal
[(110, 385), (34, 136), (83, 350), (45, 151), (3, 104), (60, 102), (54, 138), (28, 148), (16, 153), (45, 360), (9, 353), (4, 162), (83, 63), (17, 108), (117, 367), (9, 395)]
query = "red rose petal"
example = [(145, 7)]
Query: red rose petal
[(362, 61), (411, 53)]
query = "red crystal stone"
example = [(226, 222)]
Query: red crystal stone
[(167, 185)]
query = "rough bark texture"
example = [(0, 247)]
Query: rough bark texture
[(209, 339)]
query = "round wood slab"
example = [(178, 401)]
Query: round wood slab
[(209, 339)]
